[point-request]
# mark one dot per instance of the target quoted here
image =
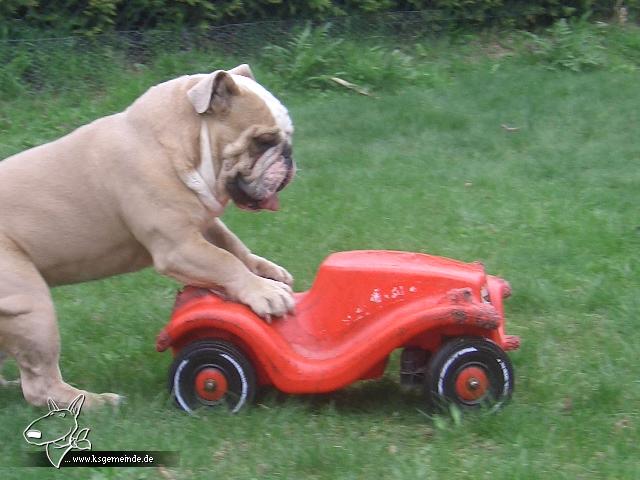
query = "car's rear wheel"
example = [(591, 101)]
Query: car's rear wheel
[(212, 374), (470, 373)]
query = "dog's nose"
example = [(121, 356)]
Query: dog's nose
[(34, 434)]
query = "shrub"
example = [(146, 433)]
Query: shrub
[(312, 56), (96, 16), (309, 57), (575, 46)]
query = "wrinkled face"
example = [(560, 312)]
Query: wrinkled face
[(251, 141), (260, 162)]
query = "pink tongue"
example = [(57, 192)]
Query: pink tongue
[(271, 203)]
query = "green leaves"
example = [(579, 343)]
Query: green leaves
[(574, 46), (98, 16)]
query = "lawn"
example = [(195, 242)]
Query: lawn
[(551, 206)]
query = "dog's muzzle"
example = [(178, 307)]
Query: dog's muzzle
[(273, 171)]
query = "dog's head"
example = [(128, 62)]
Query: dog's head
[(249, 138)]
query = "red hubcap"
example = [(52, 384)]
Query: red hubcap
[(472, 384), (211, 384)]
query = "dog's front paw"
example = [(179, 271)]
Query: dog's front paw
[(267, 297), (267, 269), (93, 400)]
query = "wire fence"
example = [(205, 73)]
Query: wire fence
[(33, 64), (62, 63), (249, 38)]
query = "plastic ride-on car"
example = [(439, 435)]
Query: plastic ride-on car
[(446, 315)]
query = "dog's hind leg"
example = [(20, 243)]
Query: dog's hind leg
[(29, 333)]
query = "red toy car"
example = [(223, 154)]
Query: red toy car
[(446, 315)]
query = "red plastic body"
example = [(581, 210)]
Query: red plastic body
[(361, 307)]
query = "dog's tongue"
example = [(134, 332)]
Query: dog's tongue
[(270, 203)]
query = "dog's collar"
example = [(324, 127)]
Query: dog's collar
[(203, 179)]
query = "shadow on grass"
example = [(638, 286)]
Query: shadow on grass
[(373, 396)]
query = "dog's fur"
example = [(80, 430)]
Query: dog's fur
[(139, 188)]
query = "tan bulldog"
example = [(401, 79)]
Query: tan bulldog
[(139, 188)]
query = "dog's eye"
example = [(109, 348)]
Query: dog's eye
[(265, 142), (262, 143)]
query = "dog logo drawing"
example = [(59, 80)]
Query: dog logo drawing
[(58, 431)]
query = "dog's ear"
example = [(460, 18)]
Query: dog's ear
[(53, 407), (244, 70), (76, 405), (213, 92)]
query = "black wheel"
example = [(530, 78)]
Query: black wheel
[(212, 374), (471, 373)]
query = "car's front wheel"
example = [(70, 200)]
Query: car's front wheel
[(471, 373), (212, 374)]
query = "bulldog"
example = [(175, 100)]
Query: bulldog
[(144, 187)]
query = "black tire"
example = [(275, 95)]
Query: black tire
[(470, 373), (228, 366)]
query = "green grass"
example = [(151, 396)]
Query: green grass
[(552, 207)]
